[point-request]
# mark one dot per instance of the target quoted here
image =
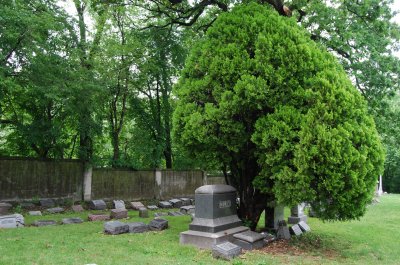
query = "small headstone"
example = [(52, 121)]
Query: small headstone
[(77, 208), (297, 214), (138, 227), (185, 201), (304, 226), (158, 224), (119, 213), (12, 221), (97, 205), (143, 212), (98, 217), (44, 222), (4, 208), (115, 228), (249, 240), (119, 204), (187, 209), (159, 214), (175, 213), (56, 210), (283, 230), (176, 203), (47, 203), (137, 205), (164, 204), (226, 251), (296, 230), (152, 207), (73, 220), (35, 213)]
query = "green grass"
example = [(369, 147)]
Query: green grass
[(375, 239)]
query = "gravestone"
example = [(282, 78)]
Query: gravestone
[(47, 203), (119, 204), (296, 230), (27, 205), (137, 205), (297, 214), (159, 214), (215, 219), (283, 230), (176, 203), (115, 228), (97, 205), (249, 240), (4, 208), (119, 213), (187, 209), (98, 217), (35, 213), (185, 201), (138, 227), (164, 204), (56, 210), (226, 251), (158, 224), (77, 208), (175, 213), (12, 221), (143, 212), (152, 207), (304, 227), (73, 220), (44, 223)]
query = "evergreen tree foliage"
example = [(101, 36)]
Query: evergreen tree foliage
[(280, 113)]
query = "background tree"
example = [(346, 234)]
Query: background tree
[(280, 114)]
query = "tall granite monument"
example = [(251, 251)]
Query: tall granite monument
[(215, 218)]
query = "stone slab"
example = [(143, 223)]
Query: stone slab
[(119, 204), (77, 208), (249, 236), (56, 210), (185, 201), (47, 202), (304, 227), (35, 213), (137, 205), (175, 214), (73, 220), (226, 251), (206, 240), (143, 212), (115, 228), (97, 205), (4, 208), (249, 245), (44, 223), (138, 227), (176, 203), (12, 221), (164, 204), (98, 217), (158, 224), (214, 225), (296, 230), (187, 209), (118, 213), (160, 214), (152, 207)]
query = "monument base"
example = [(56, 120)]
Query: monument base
[(207, 240), (296, 220)]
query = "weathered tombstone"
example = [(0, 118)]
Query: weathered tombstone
[(296, 230), (115, 228), (56, 210), (44, 223), (249, 240), (283, 230), (35, 213), (185, 201), (297, 214), (226, 251), (159, 214), (175, 213), (137, 205), (216, 219), (138, 227), (143, 212), (158, 224), (73, 220), (97, 205), (164, 204), (98, 217), (4, 208), (119, 204), (304, 226), (119, 213), (77, 208), (47, 203), (176, 203), (152, 207), (188, 209), (12, 221)]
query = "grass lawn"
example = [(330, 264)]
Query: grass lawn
[(375, 239)]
